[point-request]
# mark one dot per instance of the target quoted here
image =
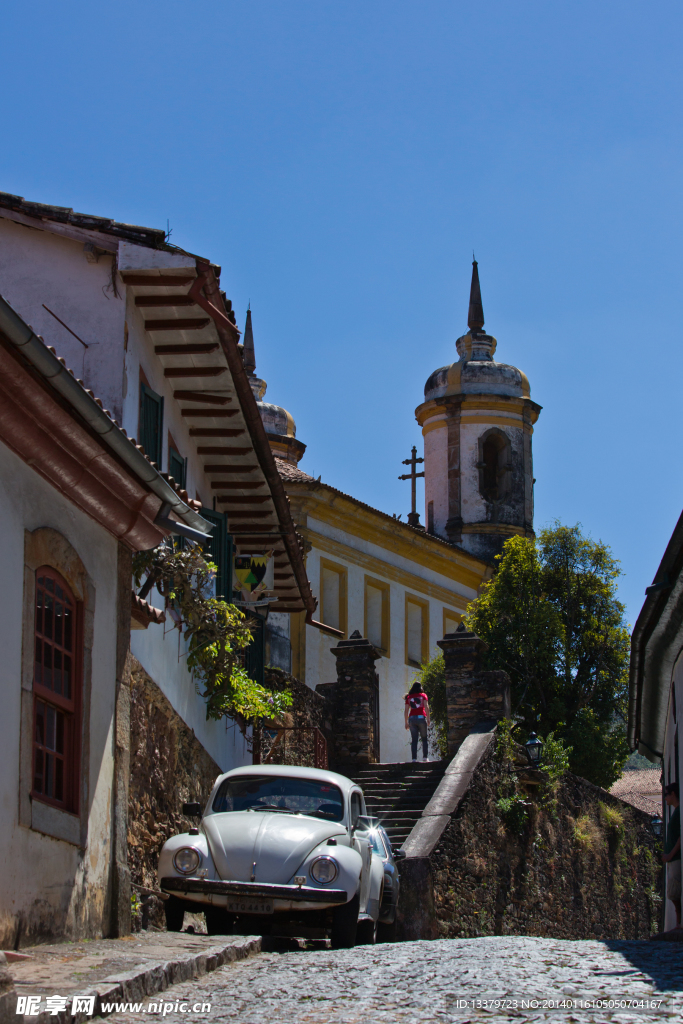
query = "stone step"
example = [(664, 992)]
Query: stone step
[(398, 792)]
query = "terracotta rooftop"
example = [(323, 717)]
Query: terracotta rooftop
[(145, 613), (641, 788), (289, 472), (154, 237)]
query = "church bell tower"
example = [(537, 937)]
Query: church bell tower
[(477, 422)]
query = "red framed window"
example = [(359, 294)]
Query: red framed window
[(56, 692)]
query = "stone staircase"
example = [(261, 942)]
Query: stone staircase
[(397, 793)]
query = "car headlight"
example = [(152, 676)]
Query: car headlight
[(186, 860), (324, 870)]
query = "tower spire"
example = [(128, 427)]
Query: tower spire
[(249, 355), (475, 314)]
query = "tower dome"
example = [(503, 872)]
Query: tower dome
[(477, 423), (279, 424)]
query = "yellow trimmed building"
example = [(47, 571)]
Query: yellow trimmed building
[(403, 586)]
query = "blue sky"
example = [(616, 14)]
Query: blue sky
[(342, 160)]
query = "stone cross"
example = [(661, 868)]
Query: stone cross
[(413, 515)]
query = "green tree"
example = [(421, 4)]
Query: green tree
[(551, 619)]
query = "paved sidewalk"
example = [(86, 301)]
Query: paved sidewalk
[(116, 970)]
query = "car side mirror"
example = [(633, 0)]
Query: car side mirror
[(399, 854), (193, 810)]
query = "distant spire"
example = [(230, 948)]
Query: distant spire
[(248, 353), (475, 314)]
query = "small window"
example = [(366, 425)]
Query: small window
[(333, 609), (151, 422), (356, 808), (56, 692), (430, 517), (416, 631), (377, 614)]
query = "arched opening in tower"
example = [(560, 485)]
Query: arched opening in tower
[(493, 450)]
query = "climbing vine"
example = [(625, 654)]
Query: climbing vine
[(217, 633)]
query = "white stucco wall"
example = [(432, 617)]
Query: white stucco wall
[(395, 676), (60, 872), (37, 267), (436, 471)]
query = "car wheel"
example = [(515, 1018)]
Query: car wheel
[(386, 932), (217, 921), (174, 912), (367, 933), (345, 924)]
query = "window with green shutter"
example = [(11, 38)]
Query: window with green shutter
[(151, 422), (177, 467), (218, 549)]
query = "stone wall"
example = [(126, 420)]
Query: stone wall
[(577, 863), (168, 766), (309, 711)]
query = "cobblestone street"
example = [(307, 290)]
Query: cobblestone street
[(442, 981)]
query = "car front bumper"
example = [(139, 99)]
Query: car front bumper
[(283, 896)]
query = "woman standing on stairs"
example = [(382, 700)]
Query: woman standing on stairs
[(417, 719)]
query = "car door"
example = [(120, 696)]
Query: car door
[(360, 842)]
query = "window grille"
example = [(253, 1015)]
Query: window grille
[(56, 692)]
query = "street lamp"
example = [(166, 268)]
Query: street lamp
[(534, 746), (656, 824)]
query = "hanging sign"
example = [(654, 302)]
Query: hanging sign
[(254, 575)]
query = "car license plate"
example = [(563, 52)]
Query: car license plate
[(247, 906)]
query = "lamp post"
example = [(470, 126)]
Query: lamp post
[(534, 746), (656, 824)]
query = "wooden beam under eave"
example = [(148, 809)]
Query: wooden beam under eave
[(164, 300), (250, 514), (198, 348), (254, 531), (216, 431), (202, 396), (210, 413), (161, 281), (220, 468), (189, 324), (227, 451), (194, 371), (246, 499), (237, 485)]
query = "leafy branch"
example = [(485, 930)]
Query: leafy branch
[(217, 633)]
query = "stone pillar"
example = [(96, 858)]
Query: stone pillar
[(354, 701), (472, 694)]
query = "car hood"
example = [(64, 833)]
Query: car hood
[(278, 843)]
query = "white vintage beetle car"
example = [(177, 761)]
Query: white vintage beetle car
[(281, 850)]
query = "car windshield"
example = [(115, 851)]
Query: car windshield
[(280, 793)]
